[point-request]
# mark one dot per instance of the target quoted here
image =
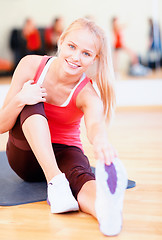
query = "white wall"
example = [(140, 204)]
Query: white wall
[(134, 12)]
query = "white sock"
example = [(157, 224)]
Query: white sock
[(111, 182), (60, 196)]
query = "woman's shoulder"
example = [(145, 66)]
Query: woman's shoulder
[(88, 95), (27, 67), (29, 58), (31, 62), (90, 89)]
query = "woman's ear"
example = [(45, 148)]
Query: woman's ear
[(95, 59)]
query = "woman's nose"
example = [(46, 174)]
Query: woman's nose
[(76, 55)]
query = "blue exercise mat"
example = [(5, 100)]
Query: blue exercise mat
[(15, 191)]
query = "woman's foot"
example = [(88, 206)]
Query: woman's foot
[(111, 182), (60, 197)]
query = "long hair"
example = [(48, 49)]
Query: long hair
[(104, 74)]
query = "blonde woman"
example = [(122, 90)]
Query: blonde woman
[(42, 112)]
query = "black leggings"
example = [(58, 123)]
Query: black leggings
[(70, 159)]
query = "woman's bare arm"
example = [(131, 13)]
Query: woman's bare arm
[(92, 107), (21, 92)]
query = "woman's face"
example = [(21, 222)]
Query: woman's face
[(78, 51)]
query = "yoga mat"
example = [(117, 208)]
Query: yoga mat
[(15, 191)]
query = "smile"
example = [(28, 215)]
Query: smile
[(72, 65)]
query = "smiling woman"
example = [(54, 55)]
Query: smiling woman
[(77, 52), (44, 128), (99, 42)]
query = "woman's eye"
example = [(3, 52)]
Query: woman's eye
[(86, 54), (71, 46)]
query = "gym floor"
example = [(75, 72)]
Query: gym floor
[(136, 133)]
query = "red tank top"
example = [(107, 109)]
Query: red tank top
[(64, 122), (118, 40)]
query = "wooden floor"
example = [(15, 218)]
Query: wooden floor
[(137, 135)]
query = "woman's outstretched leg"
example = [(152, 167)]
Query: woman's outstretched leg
[(104, 197)]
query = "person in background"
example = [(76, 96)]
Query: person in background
[(154, 45), (135, 68), (119, 44), (32, 37), (52, 35)]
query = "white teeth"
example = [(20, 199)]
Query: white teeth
[(73, 64)]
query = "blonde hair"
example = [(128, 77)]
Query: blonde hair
[(104, 74)]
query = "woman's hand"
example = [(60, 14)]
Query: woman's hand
[(31, 94), (103, 150)]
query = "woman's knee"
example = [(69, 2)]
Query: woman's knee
[(30, 110)]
